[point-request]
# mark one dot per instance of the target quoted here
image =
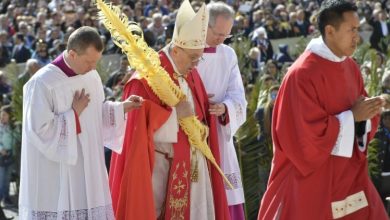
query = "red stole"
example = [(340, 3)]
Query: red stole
[(201, 108)]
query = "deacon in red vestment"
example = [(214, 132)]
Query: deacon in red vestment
[(154, 175), (321, 127)]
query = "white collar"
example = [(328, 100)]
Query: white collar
[(318, 46)]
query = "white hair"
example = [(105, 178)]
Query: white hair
[(219, 9), (258, 31), (31, 62)]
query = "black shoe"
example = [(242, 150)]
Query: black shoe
[(7, 202)]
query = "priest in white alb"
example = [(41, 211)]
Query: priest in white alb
[(66, 124), (221, 76)]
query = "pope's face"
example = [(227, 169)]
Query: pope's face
[(187, 59)]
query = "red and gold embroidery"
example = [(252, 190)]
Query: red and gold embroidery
[(178, 199)]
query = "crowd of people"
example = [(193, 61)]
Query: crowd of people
[(37, 32)]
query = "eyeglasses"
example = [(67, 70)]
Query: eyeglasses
[(225, 36), (194, 59)]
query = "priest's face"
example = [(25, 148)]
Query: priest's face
[(344, 39), (186, 59), (219, 32), (82, 63)]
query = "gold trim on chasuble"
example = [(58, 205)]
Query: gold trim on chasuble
[(178, 191)]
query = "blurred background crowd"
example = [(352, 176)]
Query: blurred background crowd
[(268, 35)]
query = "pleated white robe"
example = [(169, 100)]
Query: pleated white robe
[(63, 175), (221, 76)]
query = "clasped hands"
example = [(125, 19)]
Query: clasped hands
[(183, 108), (217, 109), (365, 108)]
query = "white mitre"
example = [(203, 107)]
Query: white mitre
[(190, 27)]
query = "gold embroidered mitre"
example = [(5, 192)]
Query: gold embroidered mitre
[(190, 27)]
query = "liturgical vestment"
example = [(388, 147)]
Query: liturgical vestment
[(319, 171), (63, 173), (153, 171)]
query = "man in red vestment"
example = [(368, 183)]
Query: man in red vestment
[(321, 127), (159, 175)]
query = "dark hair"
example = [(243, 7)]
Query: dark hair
[(20, 36), (331, 13), (83, 38), (6, 108)]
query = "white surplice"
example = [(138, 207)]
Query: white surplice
[(221, 76), (63, 175)]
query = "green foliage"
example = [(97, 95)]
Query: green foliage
[(17, 101), (247, 146), (254, 157), (360, 52), (249, 161), (373, 160), (12, 72), (366, 55), (374, 82), (384, 45), (300, 46), (103, 71), (242, 46), (107, 65)]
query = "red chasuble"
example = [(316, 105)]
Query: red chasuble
[(131, 171), (305, 178)]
